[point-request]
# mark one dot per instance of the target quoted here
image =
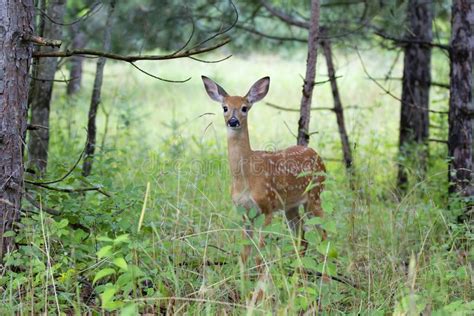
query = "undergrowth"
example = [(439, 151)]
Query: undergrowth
[(384, 254)]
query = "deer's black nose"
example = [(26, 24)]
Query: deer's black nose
[(233, 122)]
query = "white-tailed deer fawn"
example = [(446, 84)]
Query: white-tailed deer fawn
[(263, 180)]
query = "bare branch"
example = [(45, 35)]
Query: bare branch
[(92, 11), (388, 91), (210, 61), (278, 107), (269, 36), (64, 176), (438, 141), (54, 80), (48, 210), (68, 190), (156, 77), (130, 58), (35, 127), (225, 30), (411, 41), (41, 41), (284, 16)]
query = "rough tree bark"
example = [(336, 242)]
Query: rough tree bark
[(96, 96), (75, 74), (414, 117), (42, 89), (16, 19), (305, 107), (338, 109), (460, 101)]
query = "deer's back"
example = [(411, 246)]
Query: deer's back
[(280, 179)]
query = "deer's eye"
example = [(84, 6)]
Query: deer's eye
[(225, 108), (245, 109)]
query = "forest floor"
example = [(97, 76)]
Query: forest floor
[(401, 255)]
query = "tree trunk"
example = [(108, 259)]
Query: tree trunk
[(75, 74), (414, 118), (305, 108), (96, 97), (16, 18), (346, 147), (42, 89), (460, 100)]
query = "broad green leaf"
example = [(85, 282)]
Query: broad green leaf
[(312, 237), (314, 221), (121, 263), (104, 238), (63, 223), (129, 310), (102, 274), (327, 205), (323, 249), (121, 239), (308, 263), (240, 210), (259, 221), (330, 226), (252, 213), (107, 296), (105, 251), (10, 233)]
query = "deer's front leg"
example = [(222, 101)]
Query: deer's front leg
[(247, 233), (261, 242)]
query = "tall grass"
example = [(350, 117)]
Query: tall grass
[(401, 256)]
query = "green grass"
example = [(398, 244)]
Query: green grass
[(403, 255)]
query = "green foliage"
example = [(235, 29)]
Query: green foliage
[(403, 255)]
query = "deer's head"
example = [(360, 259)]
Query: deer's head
[(236, 108)]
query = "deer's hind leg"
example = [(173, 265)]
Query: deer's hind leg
[(296, 224), (313, 208)]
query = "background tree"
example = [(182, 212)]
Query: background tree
[(414, 117), (76, 62), (16, 23), (42, 88), (460, 102), (96, 95), (309, 80)]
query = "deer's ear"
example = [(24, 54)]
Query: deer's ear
[(216, 92), (258, 91)]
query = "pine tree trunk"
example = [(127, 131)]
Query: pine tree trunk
[(460, 101), (305, 107), (96, 97), (16, 18), (42, 89), (75, 73), (414, 118), (338, 109)]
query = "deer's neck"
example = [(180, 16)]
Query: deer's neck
[(239, 151)]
